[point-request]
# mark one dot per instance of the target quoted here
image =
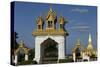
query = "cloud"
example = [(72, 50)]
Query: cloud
[(80, 10), (83, 28), (80, 27)]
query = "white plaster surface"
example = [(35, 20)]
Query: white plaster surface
[(26, 57), (16, 59), (74, 57), (61, 46), (86, 57)]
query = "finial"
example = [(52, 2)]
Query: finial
[(39, 19), (40, 15), (61, 19), (51, 8), (90, 43), (90, 38), (78, 41), (21, 43)]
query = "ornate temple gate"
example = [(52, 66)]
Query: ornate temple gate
[(39, 50), (49, 33), (49, 51)]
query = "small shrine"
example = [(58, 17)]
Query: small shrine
[(21, 50), (79, 52)]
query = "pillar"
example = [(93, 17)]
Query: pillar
[(16, 59), (83, 55), (37, 49), (26, 57), (61, 48), (12, 58), (74, 57)]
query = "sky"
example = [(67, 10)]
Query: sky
[(82, 20)]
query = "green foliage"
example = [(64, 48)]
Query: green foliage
[(31, 54), (21, 57), (62, 61), (70, 60), (27, 62), (65, 60)]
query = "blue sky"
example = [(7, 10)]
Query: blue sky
[(82, 20)]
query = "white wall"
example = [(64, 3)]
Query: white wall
[(58, 38)]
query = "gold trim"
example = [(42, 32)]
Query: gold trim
[(49, 32), (21, 46)]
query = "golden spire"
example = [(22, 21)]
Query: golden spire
[(90, 40), (39, 20), (51, 8), (61, 20), (51, 14), (89, 43)]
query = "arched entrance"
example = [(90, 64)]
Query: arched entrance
[(78, 53), (21, 55), (49, 51)]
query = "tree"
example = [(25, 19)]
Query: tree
[(14, 44), (31, 54)]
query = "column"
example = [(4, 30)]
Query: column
[(88, 58), (16, 60), (61, 48), (74, 57), (12, 58), (83, 55), (26, 57), (37, 49)]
